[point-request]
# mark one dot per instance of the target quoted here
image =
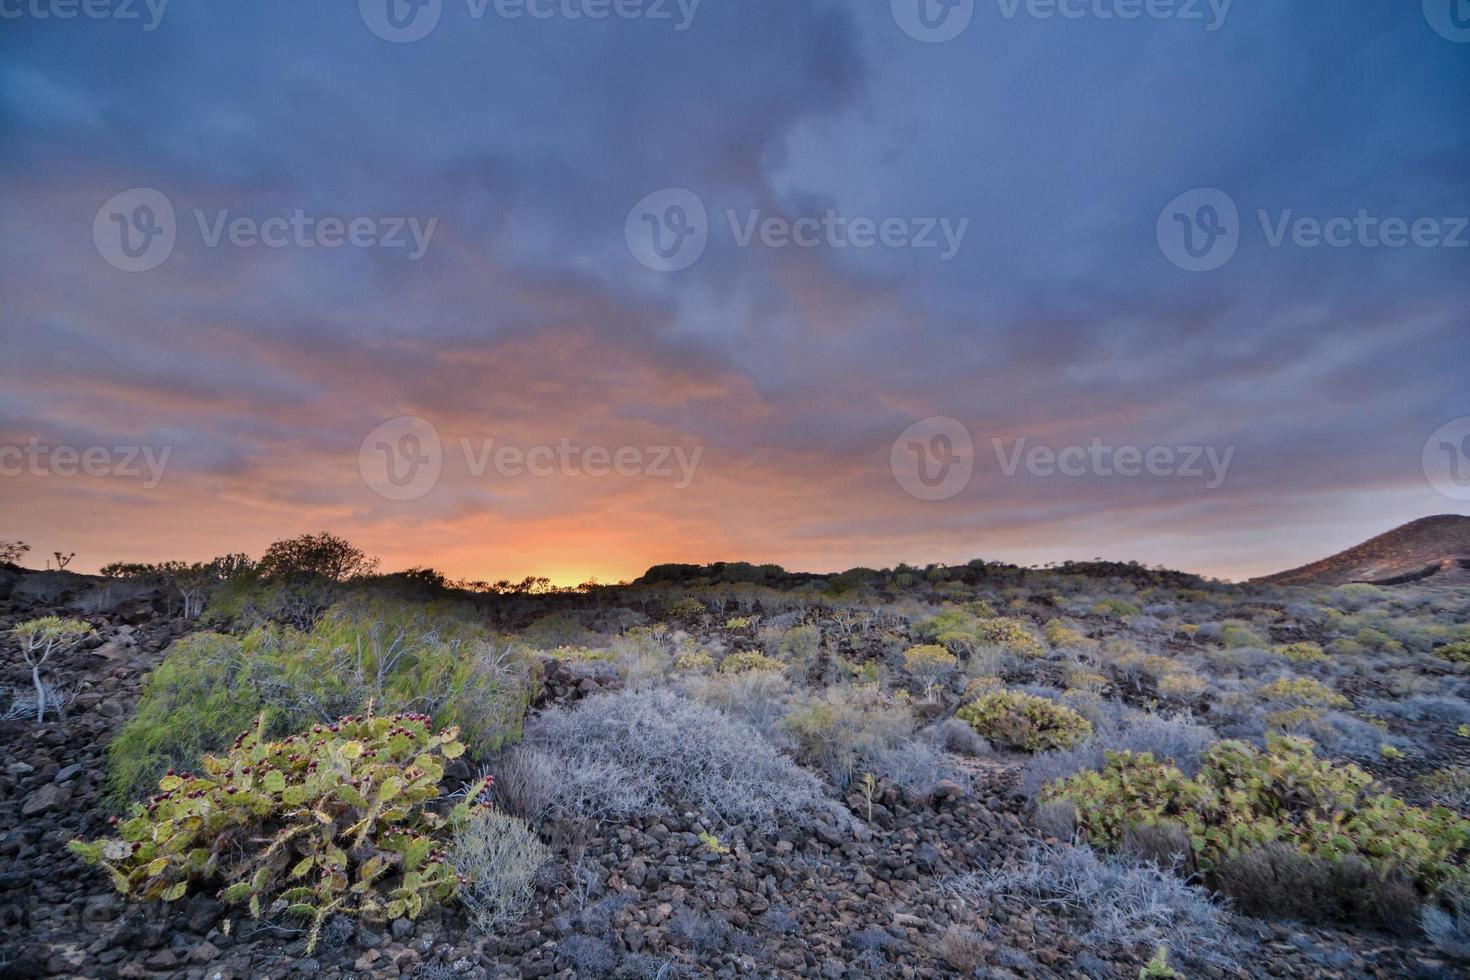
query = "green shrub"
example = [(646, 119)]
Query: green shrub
[(400, 657), (1237, 634), (1303, 692), (697, 660), (334, 820), (1024, 721), (1158, 968), (1059, 634), (581, 654), (1455, 653), (1244, 798), (688, 609), (1114, 609), (799, 646), (845, 726), (1011, 634), (739, 663), (951, 620), (1302, 653)]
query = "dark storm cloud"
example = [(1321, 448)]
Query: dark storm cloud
[(526, 142)]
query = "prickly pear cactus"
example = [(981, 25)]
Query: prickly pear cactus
[(335, 820)]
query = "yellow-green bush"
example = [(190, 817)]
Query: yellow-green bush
[(695, 661), (1238, 634), (1302, 653), (1303, 692), (739, 663), (1086, 680), (1244, 798), (844, 725), (1455, 653), (1011, 634), (1181, 685), (687, 608), (1114, 608), (1024, 721), (334, 820), (1059, 634), (580, 654)]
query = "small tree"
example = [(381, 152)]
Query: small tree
[(12, 551), (930, 664), (62, 560), (322, 554), (39, 639)]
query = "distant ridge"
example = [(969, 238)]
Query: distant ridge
[(1431, 547)]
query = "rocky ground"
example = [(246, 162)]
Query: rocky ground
[(645, 899)]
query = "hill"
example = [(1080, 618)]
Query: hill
[(1437, 547)]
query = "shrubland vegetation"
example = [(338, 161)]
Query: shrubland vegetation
[(1301, 752)]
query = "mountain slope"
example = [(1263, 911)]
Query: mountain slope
[(1437, 547)]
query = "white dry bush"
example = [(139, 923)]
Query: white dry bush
[(757, 697), (18, 702), (915, 765), (631, 752), (1447, 924), (1126, 904), (524, 780), (498, 854)]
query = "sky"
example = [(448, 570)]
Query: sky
[(573, 287)]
